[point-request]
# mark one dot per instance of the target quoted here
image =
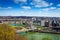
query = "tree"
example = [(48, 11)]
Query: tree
[(19, 37), (6, 32)]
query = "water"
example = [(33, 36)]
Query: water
[(37, 36), (40, 36)]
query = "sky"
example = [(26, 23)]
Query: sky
[(46, 8)]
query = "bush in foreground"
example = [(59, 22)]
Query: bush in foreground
[(8, 33)]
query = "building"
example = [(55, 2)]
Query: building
[(46, 23), (41, 21)]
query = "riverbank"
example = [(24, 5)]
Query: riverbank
[(42, 31), (36, 30)]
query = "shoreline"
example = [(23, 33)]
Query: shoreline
[(45, 32)]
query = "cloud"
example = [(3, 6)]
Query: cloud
[(51, 4), (40, 3), (26, 7), (53, 8), (9, 7), (48, 9), (17, 1), (35, 3), (58, 5), (6, 8)]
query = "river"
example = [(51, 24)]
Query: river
[(40, 36)]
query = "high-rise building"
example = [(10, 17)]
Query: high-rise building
[(55, 23), (42, 23), (47, 23)]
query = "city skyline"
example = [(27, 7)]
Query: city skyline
[(46, 8)]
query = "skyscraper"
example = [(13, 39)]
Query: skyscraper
[(47, 23), (42, 23)]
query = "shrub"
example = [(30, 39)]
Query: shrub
[(6, 32)]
